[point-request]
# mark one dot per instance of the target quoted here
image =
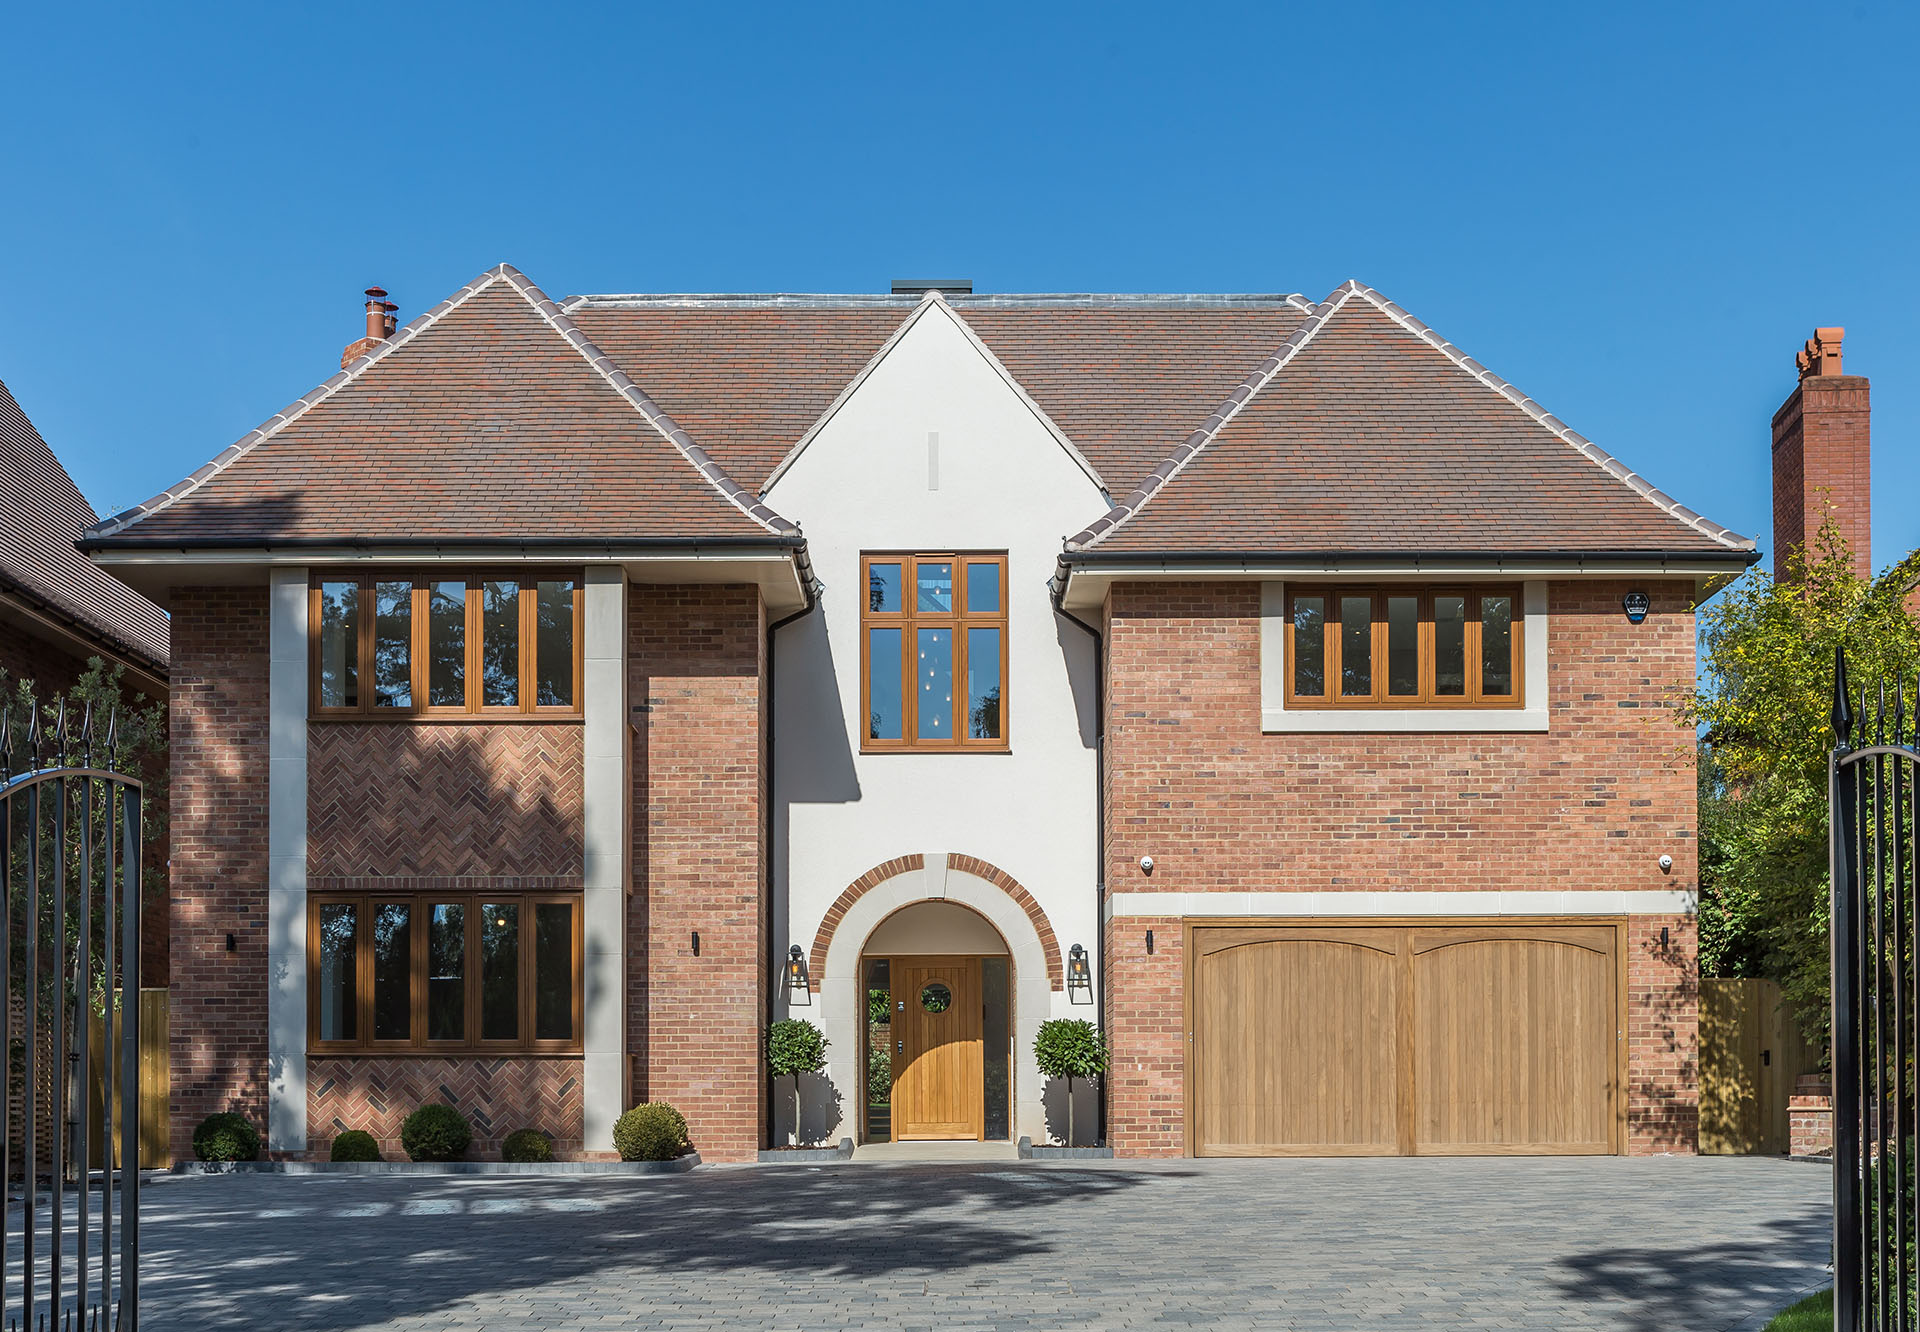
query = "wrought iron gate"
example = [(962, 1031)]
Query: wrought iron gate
[(69, 939), (1873, 792)]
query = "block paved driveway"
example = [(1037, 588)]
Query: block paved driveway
[(1660, 1243)]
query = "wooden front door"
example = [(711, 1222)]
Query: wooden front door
[(937, 1060)]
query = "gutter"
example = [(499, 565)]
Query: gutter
[(109, 545), (1058, 587), (1417, 559), (812, 591)]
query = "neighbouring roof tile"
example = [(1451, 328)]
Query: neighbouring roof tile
[(41, 514)]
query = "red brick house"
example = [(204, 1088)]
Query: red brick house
[(567, 690)]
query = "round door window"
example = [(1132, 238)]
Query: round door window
[(936, 998)]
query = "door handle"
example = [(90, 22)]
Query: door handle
[(899, 1047)]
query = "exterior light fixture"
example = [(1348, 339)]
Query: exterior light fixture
[(696, 943), (1079, 976), (794, 977), (1149, 943)]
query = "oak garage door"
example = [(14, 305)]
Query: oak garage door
[(1438, 1037)]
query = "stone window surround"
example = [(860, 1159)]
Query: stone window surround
[(1277, 718)]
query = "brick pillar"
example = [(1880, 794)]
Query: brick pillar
[(695, 663), (218, 869), (1146, 1030), (1821, 456), (1810, 1117)]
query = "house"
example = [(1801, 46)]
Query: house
[(567, 690), (58, 610)]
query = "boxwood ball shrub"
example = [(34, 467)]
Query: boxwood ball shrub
[(651, 1132), (355, 1145), (225, 1136), (527, 1147), (435, 1133)]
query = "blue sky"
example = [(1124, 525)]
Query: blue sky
[(1635, 213)]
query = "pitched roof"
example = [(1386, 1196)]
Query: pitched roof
[(1365, 432), (485, 420), (1120, 375), (41, 512)]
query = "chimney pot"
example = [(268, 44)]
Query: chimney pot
[(1821, 356), (380, 326)]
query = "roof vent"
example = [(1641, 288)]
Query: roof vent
[(921, 286)]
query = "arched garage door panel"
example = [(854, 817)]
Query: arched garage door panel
[(1323, 1085), (1443, 1038), (1512, 1047)]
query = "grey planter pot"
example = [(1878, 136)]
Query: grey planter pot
[(1029, 1152), (802, 1155)]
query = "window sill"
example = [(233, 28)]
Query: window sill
[(1334, 721), (410, 1052), (936, 749)]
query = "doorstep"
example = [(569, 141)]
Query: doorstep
[(933, 1152), (675, 1167)]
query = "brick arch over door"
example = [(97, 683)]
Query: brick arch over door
[(980, 869)]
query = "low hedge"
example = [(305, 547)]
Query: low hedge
[(436, 1133), (527, 1147), (354, 1145), (651, 1132), (225, 1136)]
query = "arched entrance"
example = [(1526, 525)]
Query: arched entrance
[(937, 1059), (973, 904)]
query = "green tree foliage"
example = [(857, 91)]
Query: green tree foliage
[(1762, 708), (794, 1047), (1070, 1048)]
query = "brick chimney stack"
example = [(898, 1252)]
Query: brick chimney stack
[(380, 326), (1821, 457)]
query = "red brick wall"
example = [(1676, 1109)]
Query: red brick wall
[(1822, 457), (1593, 804), (493, 799), (695, 660), (218, 1006), (498, 1096)]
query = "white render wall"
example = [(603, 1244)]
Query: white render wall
[(870, 481)]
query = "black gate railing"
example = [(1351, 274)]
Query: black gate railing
[(1872, 790), (69, 956)]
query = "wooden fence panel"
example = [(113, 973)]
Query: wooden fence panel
[(156, 1071), (1751, 1054)]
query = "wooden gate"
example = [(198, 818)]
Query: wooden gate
[(1751, 1053)]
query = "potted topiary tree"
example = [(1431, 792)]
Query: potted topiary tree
[(795, 1047), (1070, 1048)]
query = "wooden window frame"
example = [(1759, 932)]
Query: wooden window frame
[(910, 621), (417, 1043), (1427, 699), (474, 707)]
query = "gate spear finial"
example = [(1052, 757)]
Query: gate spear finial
[(1842, 712)]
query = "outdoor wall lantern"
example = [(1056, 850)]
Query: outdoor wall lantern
[(794, 972), (1079, 976)]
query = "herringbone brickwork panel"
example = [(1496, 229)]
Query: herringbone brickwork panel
[(485, 799), (497, 1096)]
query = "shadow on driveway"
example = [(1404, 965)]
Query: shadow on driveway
[(353, 1251), (1703, 1287)]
